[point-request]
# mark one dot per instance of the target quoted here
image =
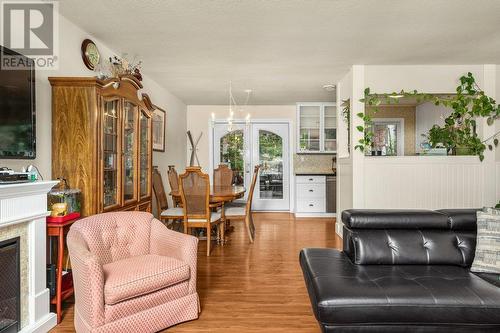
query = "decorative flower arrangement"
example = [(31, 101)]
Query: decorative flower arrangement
[(116, 66)]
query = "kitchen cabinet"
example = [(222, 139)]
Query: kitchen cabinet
[(313, 195), (316, 128)]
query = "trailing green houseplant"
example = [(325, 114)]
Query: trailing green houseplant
[(458, 134)]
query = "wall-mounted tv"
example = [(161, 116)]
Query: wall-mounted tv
[(17, 107)]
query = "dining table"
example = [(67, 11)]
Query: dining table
[(220, 194)]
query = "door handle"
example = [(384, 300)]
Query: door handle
[(310, 179), (311, 205), (311, 190)]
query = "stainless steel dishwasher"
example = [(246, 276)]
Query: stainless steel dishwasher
[(331, 194)]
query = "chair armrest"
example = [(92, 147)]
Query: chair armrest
[(88, 279), (166, 242)]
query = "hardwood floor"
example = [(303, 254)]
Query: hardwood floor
[(254, 287)]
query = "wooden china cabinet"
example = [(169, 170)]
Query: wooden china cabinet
[(102, 141)]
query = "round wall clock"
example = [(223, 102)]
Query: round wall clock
[(90, 54)]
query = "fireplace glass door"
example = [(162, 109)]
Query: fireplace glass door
[(10, 320)]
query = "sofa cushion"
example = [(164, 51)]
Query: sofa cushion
[(410, 247), (460, 218), (140, 275), (344, 293), (487, 257), (490, 277), (394, 219)]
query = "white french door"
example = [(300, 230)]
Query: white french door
[(242, 146), (230, 146)]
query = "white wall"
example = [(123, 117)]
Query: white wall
[(427, 115), (71, 64), (344, 157), (497, 125), (432, 79), (199, 117), (497, 129)]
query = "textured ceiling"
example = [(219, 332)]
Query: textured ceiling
[(285, 50)]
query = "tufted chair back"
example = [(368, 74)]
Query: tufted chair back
[(410, 237), (115, 236)]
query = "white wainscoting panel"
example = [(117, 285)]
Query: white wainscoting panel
[(497, 183), (429, 182)]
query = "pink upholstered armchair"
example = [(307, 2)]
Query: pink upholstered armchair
[(131, 274)]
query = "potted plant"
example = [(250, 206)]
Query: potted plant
[(458, 134)]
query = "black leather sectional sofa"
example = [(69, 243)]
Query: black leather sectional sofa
[(402, 271)]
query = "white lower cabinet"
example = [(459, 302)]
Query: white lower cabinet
[(310, 195)]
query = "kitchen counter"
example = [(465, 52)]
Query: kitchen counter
[(326, 173)]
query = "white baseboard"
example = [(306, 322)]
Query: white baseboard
[(315, 214), (43, 325), (338, 229)]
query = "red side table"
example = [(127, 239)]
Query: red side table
[(59, 229)]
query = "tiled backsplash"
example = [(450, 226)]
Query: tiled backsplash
[(306, 163)]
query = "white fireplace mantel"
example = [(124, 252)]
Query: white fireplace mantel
[(27, 203)]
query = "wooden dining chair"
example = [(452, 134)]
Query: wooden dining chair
[(173, 180), (244, 213), (164, 213), (223, 176), (194, 186)]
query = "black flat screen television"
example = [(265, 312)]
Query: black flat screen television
[(17, 107)]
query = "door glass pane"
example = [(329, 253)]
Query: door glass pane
[(330, 128), (143, 155), (271, 160), (232, 154), (110, 137), (309, 128), (129, 132)]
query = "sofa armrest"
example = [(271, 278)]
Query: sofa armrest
[(166, 242), (88, 279)]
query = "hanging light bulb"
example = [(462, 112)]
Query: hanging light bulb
[(212, 122), (233, 106)]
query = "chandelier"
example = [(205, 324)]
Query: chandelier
[(239, 108)]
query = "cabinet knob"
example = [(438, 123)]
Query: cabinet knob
[(311, 190), (310, 179), (311, 205)]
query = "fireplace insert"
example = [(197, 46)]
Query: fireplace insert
[(10, 309)]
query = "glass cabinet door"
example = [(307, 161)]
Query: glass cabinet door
[(129, 152), (330, 129), (110, 153), (309, 130), (144, 154)]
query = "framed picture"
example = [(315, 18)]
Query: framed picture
[(158, 124)]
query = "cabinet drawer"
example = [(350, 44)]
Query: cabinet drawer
[(310, 191), (312, 205), (310, 179)]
